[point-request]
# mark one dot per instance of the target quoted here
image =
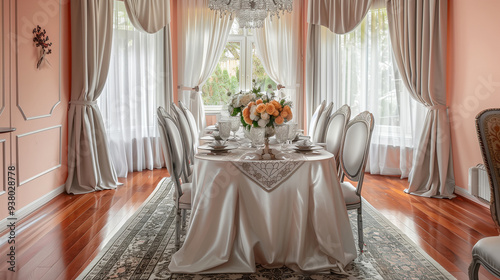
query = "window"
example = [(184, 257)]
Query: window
[(237, 67), (362, 73), (358, 69), (135, 83)]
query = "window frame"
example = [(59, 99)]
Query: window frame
[(245, 40)]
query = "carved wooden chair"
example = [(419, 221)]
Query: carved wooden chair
[(171, 142), (486, 252), (335, 131), (353, 156)]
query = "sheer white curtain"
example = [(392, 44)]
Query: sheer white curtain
[(134, 89), (358, 69), (279, 46), (202, 36)]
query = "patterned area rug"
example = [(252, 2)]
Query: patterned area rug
[(143, 247)]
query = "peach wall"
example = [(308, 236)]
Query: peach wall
[(473, 76), (38, 100)]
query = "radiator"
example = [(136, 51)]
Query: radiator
[(479, 184)]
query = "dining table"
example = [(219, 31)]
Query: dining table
[(288, 211)]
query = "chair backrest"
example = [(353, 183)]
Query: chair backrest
[(195, 133), (186, 135), (314, 118), (335, 130), (320, 130), (488, 133), (355, 147), (171, 143)]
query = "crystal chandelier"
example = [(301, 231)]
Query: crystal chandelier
[(251, 13)]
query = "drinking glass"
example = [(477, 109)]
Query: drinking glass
[(224, 129), (235, 125), (281, 134), (257, 135), (292, 132)]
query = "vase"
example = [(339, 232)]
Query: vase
[(270, 131)]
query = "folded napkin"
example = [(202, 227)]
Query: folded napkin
[(304, 143)]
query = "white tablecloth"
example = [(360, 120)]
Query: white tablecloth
[(235, 223)]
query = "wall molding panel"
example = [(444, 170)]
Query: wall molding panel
[(39, 99), (35, 154)]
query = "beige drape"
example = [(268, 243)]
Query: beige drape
[(89, 162), (148, 15), (340, 16), (278, 44), (418, 31), (202, 37)]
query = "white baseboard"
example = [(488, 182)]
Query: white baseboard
[(466, 194), (30, 208)]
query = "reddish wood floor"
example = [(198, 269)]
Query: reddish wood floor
[(60, 239)]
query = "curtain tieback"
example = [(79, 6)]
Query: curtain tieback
[(83, 102), (194, 90), (437, 107)]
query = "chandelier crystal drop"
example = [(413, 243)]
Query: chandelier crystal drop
[(251, 13)]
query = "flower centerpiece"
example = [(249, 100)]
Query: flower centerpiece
[(261, 109), (266, 112)]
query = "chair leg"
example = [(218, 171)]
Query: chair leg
[(178, 230), (183, 220), (474, 269), (360, 230)]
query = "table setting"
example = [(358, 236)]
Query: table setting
[(264, 194)]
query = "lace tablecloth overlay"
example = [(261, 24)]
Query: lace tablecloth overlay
[(269, 174)]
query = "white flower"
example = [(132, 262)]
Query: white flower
[(234, 101), (265, 116), (262, 123), (245, 99), (253, 117), (253, 110)]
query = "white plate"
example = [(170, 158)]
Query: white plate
[(308, 148), (212, 149)]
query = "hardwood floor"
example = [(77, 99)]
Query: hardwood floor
[(60, 239)]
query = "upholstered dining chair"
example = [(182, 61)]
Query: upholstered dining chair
[(171, 142), (353, 155), (486, 252), (318, 136), (187, 138), (314, 118), (195, 132), (335, 131)]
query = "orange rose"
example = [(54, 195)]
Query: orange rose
[(270, 108), (259, 101), (276, 113), (276, 104), (250, 104), (287, 109), (289, 117), (284, 114), (248, 120), (279, 120), (246, 112), (261, 107)]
